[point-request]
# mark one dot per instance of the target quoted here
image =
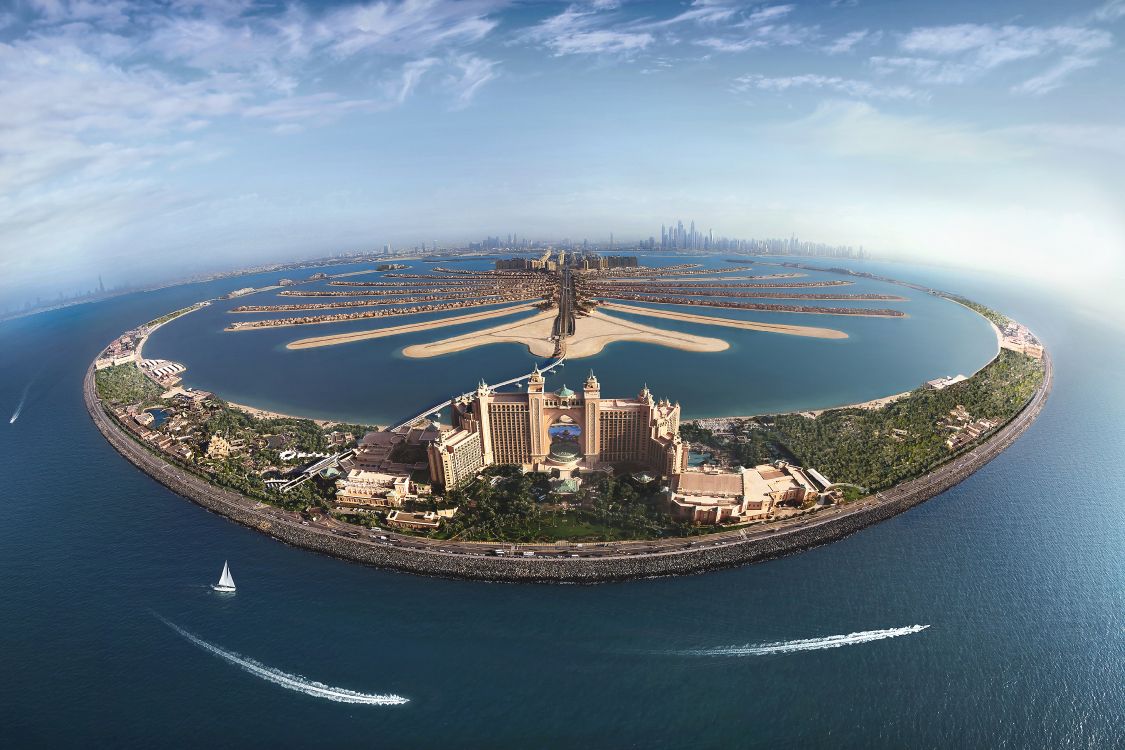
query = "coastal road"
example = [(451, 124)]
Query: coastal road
[(567, 562), (906, 495)]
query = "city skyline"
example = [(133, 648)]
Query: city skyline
[(173, 139), (691, 243)]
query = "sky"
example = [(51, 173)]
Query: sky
[(146, 140)]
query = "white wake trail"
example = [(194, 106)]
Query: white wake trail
[(19, 408), (286, 680), (806, 644)]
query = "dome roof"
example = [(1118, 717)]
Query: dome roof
[(565, 392)]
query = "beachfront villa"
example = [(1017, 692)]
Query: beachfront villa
[(374, 479)]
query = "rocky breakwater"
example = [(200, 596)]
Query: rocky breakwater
[(620, 561)]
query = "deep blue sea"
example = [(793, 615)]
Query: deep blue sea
[(1019, 573)]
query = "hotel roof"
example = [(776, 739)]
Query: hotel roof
[(716, 485)]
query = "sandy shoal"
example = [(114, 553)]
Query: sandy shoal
[(748, 325), (377, 333), (592, 334)]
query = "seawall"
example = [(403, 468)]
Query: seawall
[(619, 561)]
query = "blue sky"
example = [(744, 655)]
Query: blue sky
[(144, 140)]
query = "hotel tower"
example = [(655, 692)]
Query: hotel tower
[(560, 430)]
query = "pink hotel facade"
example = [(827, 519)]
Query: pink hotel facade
[(569, 432), (543, 430)]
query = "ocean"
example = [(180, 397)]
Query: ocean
[(990, 616)]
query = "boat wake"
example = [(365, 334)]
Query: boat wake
[(19, 407), (806, 644), (284, 679)]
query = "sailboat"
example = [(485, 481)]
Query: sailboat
[(226, 583)]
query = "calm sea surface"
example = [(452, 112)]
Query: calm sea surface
[(371, 381), (1019, 572)]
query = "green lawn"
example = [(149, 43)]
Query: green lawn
[(124, 385)]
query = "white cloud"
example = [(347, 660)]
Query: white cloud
[(856, 129), (77, 94), (964, 52), (705, 12), (759, 29), (472, 74), (412, 73), (408, 27), (1110, 11), (846, 86), (768, 14), (1054, 76), (922, 68), (579, 30), (990, 46), (729, 45), (848, 42)]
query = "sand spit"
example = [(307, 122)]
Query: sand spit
[(597, 329), (534, 332), (378, 333), (748, 325), (592, 334)]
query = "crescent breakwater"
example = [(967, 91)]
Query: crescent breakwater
[(620, 561)]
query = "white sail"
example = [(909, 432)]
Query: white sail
[(226, 583)]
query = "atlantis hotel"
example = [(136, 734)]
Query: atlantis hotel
[(559, 431)]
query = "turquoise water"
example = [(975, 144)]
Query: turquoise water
[(371, 381), (1019, 573)]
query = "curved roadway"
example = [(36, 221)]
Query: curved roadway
[(566, 562)]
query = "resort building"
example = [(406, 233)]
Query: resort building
[(374, 478), (940, 384), (218, 447), (713, 497), (561, 431)]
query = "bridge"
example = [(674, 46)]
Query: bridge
[(510, 381)]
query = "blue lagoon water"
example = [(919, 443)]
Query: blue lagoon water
[(1019, 573), (372, 382)]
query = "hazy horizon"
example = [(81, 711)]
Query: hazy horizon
[(146, 141)]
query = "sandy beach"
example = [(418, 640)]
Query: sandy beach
[(266, 414), (748, 325), (592, 334), (534, 332), (377, 333)]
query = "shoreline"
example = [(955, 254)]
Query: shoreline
[(748, 325), (592, 334), (377, 333), (623, 561), (327, 318), (254, 411)]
